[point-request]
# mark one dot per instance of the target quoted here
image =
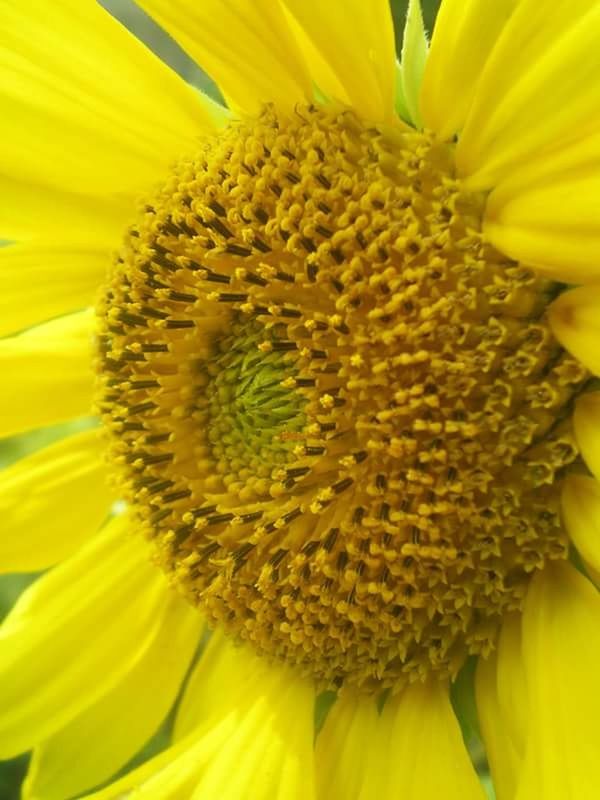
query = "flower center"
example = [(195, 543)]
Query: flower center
[(340, 413)]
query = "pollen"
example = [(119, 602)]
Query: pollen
[(339, 413)]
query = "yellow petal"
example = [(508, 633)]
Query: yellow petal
[(500, 751), (173, 774), (586, 423), (258, 745), (215, 682), (561, 649), (502, 706), (113, 116), (270, 756), (510, 680), (355, 40), (51, 502), (74, 634), (539, 84), (423, 722), (345, 745), (29, 212), (581, 513), (575, 320), (46, 374), (463, 37), (547, 213), (246, 46), (102, 738), (41, 281)]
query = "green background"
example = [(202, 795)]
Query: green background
[(11, 772)]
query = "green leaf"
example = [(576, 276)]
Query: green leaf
[(412, 65)]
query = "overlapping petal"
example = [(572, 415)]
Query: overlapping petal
[(535, 89), (246, 46), (350, 49), (89, 749), (575, 320), (86, 107), (47, 374), (52, 502), (561, 652), (44, 281), (74, 634), (464, 35)]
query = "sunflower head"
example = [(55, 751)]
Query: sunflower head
[(314, 370)]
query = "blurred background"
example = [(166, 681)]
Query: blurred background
[(12, 772)]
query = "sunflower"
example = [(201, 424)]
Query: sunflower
[(340, 337)]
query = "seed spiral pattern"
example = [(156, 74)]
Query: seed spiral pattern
[(339, 412)]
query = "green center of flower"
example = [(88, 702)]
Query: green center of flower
[(339, 412), (249, 415)]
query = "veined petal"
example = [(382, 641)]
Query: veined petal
[(216, 681), (423, 722), (547, 213), (575, 320), (74, 634), (501, 754), (538, 85), (586, 422), (66, 765), (46, 374), (349, 740), (581, 513), (355, 40), (561, 649), (51, 502), (41, 281), (113, 115), (463, 37), (246, 47), (29, 212), (173, 774), (502, 707), (270, 756), (260, 745), (510, 682)]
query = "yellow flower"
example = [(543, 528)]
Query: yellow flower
[(345, 340)]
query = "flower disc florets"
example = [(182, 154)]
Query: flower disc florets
[(337, 408)]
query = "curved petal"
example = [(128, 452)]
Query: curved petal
[(500, 751), (85, 106), (51, 502), (355, 42), (103, 737), (538, 85), (581, 512), (74, 634), (46, 374), (41, 281), (561, 650), (28, 211), (350, 739), (575, 320), (502, 706), (422, 722), (257, 744), (548, 213), (464, 34), (246, 47), (216, 680), (586, 423)]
